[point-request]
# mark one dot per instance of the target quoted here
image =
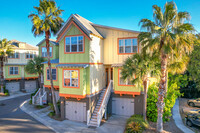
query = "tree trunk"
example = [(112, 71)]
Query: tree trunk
[(1, 73), (145, 83), (47, 34), (161, 92), (39, 80)]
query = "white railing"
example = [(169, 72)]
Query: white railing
[(104, 103), (38, 93), (88, 116), (43, 99)]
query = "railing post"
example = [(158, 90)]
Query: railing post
[(33, 99), (88, 117)]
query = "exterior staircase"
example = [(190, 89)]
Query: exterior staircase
[(40, 97), (94, 118)]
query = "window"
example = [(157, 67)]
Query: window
[(128, 45), (54, 77), (124, 82), (14, 55), (44, 52), (74, 44), (71, 78), (30, 55), (13, 70)]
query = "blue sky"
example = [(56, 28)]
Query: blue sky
[(14, 22)]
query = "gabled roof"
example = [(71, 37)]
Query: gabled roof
[(88, 27), (73, 65), (85, 25), (16, 45), (53, 42)]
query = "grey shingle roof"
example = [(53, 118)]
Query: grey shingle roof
[(16, 43), (73, 65), (55, 61), (50, 41)]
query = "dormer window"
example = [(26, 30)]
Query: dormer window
[(74, 44), (127, 45), (44, 51)]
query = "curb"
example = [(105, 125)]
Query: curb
[(32, 114), (178, 120), (13, 96)]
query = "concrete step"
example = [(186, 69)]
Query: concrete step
[(92, 125)]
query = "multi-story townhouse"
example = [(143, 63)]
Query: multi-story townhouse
[(86, 61), (16, 78)]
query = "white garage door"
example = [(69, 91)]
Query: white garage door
[(123, 106), (75, 111), (13, 87), (30, 86)]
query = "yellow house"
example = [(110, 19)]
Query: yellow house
[(86, 71), (15, 76)]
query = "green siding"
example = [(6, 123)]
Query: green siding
[(55, 83), (55, 50), (74, 58), (26, 75), (13, 76), (123, 88), (74, 91)]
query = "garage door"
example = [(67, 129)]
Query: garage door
[(13, 87), (30, 86), (123, 106), (75, 111)]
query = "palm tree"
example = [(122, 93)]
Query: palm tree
[(35, 66), (172, 36), (5, 51), (140, 65), (46, 20)]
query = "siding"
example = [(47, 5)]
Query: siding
[(55, 50), (110, 44), (75, 57), (122, 88), (13, 76), (73, 91), (55, 83)]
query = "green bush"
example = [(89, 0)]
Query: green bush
[(136, 124), (6, 91), (39, 106), (52, 107), (172, 94), (33, 94), (52, 114)]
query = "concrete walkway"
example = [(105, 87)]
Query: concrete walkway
[(178, 120), (115, 124), (14, 95)]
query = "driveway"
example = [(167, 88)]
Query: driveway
[(13, 119)]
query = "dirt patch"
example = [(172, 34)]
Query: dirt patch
[(184, 108), (169, 127)]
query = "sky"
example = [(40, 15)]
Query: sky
[(15, 24)]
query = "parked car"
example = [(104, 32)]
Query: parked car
[(193, 118), (194, 102)]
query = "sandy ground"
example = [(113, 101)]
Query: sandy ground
[(169, 127), (184, 108)]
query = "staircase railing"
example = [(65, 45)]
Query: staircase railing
[(38, 93), (104, 103), (88, 116), (43, 98)]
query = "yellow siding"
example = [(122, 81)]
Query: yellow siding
[(110, 44)]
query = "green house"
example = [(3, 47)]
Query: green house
[(86, 65)]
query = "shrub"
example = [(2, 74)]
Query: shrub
[(52, 114), (172, 94), (39, 106), (33, 94), (6, 91), (136, 124)]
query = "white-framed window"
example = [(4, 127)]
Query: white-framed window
[(14, 55), (71, 78), (54, 73), (13, 70), (74, 44), (30, 55), (44, 52), (128, 45), (124, 82)]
